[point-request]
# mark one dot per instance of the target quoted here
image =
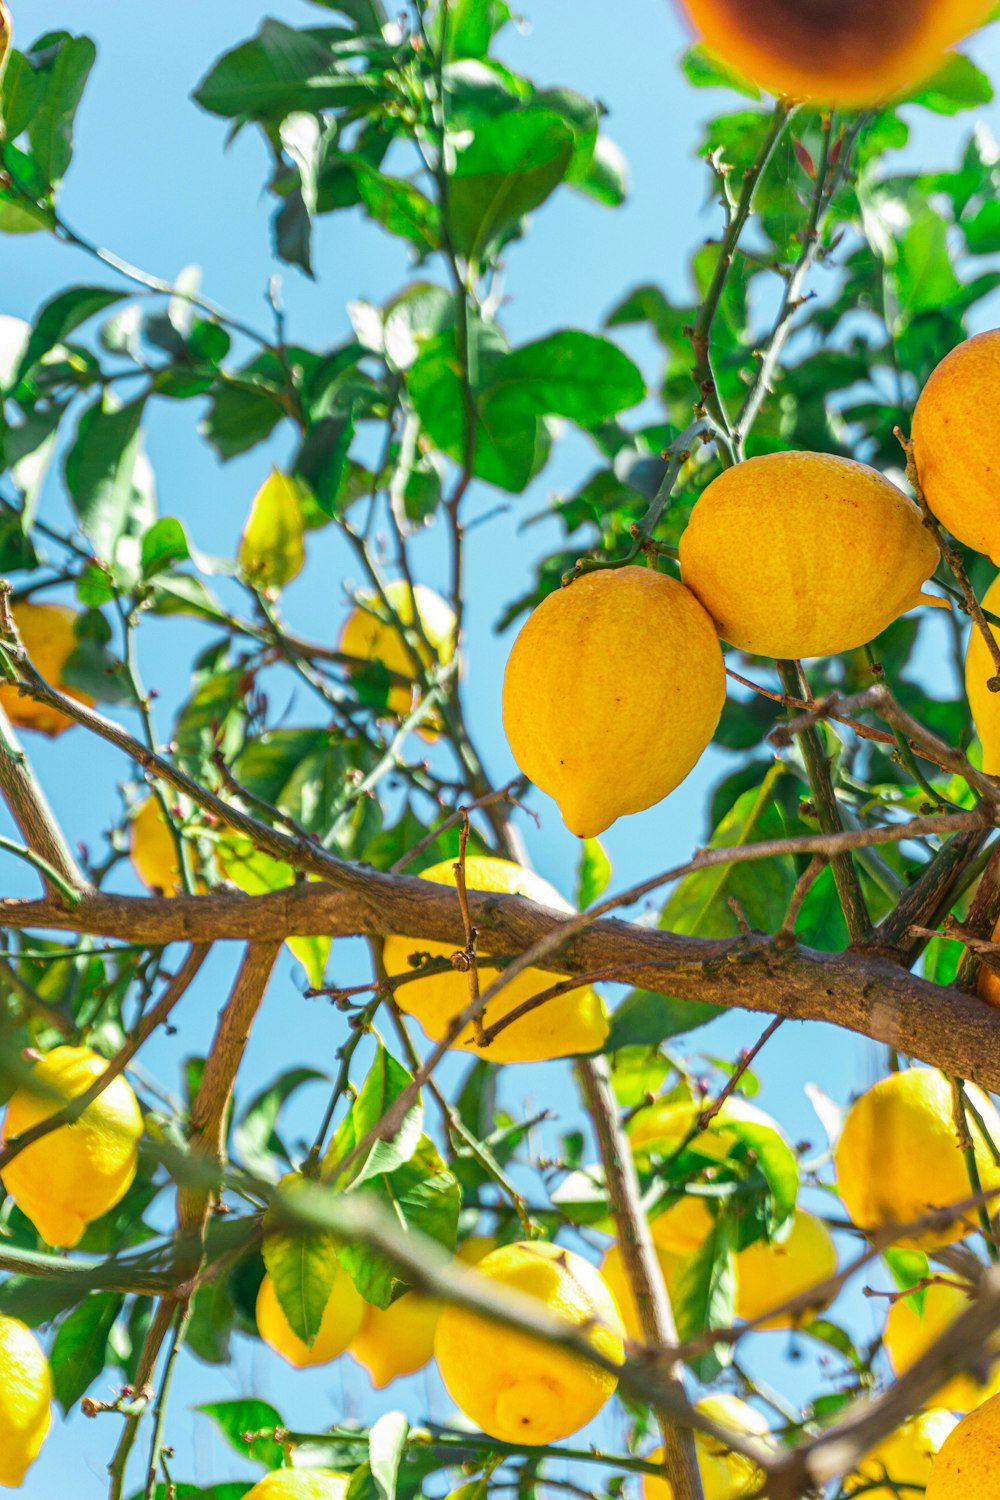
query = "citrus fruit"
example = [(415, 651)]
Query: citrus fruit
[(613, 689), (151, 849), (804, 554), (899, 1156), (571, 1023), (979, 669), (662, 1128), (684, 1226), (300, 1484), (49, 635), (966, 1464), (616, 1278), (956, 452), (341, 1321), (905, 1459), (400, 1339), (724, 1475), (768, 1275), (916, 1322), (370, 635), (77, 1172), (849, 52), (514, 1387), (25, 1396)]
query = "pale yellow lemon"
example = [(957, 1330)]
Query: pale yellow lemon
[(768, 1275), (899, 1156), (957, 451), (847, 52), (341, 1321), (48, 632), (616, 1278), (916, 1322), (804, 554), (370, 635), (77, 1172), (572, 1023), (300, 1484), (152, 851), (905, 1459), (613, 689), (516, 1388), (25, 1398), (725, 1475), (684, 1226)]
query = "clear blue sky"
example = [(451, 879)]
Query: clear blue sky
[(152, 182)]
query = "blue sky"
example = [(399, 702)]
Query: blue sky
[(151, 181)]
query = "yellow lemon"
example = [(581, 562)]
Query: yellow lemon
[(370, 635), (341, 1321), (911, 1329), (684, 1226), (899, 1156), (49, 635), (905, 1459), (515, 1388), (613, 690), (957, 453), (966, 1465), (979, 669), (804, 554), (151, 849), (662, 1128), (724, 1475), (616, 1278), (300, 1484), (849, 52), (76, 1173), (771, 1274), (572, 1023), (25, 1397)]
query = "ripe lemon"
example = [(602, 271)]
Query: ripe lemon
[(78, 1172), (300, 1484), (662, 1128), (49, 635), (804, 554), (979, 669), (370, 635), (151, 850), (849, 52), (770, 1274), (724, 1475), (572, 1023), (957, 453), (613, 689), (911, 1329), (905, 1459), (400, 1339), (899, 1156), (966, 1465), (341, 1321), (684, 1226), (616, 1277), (515, 1388), (25, 1397)]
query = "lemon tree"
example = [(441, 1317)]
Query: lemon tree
[(499, 734)]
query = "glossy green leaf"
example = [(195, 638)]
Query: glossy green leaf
[(386, 1081), (101, 473), (60, 317), (80, 1347), (66, 67), (235, 1418), (593, 873), (703, 1296), (258, 1147), (510, 167), (280, 71)]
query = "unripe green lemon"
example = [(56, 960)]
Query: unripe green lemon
[(76, 1173), (613, 690), (805, 554)]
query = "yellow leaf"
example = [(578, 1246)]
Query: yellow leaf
[(271, 548)]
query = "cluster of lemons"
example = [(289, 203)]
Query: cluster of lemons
[(787, 555)]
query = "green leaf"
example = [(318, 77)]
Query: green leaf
[(958, 84), (257, 1145), (703, 1296), (58, 319), (386, 1446), (280, 71), (472, 25), (397, 204), (100, 473), (593, 873), (704, 70), (22, 90), (271, 548), (212, 1315), (386, 1080), (66, 68), (909, 1268), (80, 1348), (511, 165), (570, 374), (303, 1268), (234, 1418)]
